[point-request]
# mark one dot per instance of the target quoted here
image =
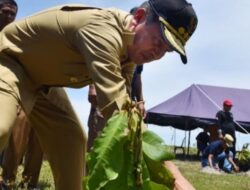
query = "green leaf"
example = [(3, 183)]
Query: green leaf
[(121, 182), (154, 147), (150, 136), (159, 173), (106, 159), (155, 186), (155, 152), (125, 159)]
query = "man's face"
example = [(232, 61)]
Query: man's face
[(7, 14), (227, 108), (148, 45)]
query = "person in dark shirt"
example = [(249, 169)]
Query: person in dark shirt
[(136, 90), (225, 122), (135, 83), (218, 156), (202, 141)]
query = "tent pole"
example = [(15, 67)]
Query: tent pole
[(186, 126), (189, 134), (174, 137)]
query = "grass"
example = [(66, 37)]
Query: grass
[(45, 178), (190, 169), (204, 181)]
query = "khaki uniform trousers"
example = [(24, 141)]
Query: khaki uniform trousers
[(58, 129), (33, 160), (23, 141)]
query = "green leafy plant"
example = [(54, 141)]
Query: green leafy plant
[(244, 158), (127, 157)]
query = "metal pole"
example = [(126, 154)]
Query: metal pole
[(189, 134)]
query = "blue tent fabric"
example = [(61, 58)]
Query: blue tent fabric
[(197, 106)]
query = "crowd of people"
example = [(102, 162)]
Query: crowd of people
[(219, 154)]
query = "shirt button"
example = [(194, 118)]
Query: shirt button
[(73, 79)]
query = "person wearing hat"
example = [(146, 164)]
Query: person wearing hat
[(225, 122), (218, 156), (73, 46), (96, 121)]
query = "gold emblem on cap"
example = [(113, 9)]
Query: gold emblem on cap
[(183, 37), (182, 31)]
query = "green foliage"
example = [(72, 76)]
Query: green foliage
[(244, 155), (155, 152), (154, 147), (106, 160), (124, 158), (158, 173), (243, 158), (156, 186)]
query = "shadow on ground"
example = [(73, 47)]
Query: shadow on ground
[(185, 157)]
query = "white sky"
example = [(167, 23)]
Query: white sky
[(218, 55)]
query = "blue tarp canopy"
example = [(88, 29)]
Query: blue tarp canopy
[(197, 106)]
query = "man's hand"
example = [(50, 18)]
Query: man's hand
[(93, 100), (236, 168), (141, 108), (92, 95), (216, 167)]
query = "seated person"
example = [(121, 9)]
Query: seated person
[(202, 141), (217, 156)]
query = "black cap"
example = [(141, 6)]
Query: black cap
[(178, 22)]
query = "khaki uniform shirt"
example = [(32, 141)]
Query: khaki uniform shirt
[(73, 46)]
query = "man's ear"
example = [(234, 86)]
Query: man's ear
[(140, 15)]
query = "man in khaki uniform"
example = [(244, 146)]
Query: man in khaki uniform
[(96, 121), (73, 46)]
